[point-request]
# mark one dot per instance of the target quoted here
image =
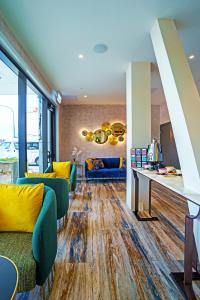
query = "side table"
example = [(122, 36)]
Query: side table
[(8, 279), (80, 166)]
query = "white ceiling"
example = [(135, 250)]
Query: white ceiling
[(55, 32)]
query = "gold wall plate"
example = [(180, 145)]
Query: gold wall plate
[(113, 140), (105, 126), (117, 129), (84, 132), (90, 136), (121, 138), (100, 136)]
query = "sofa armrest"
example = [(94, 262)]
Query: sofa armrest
[(44, 239), (73, 177), (86, 169), (59, 185)]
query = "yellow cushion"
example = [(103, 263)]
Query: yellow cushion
[(90, 164), (47, 175), (121, 162), (62, 169), (20, 206)]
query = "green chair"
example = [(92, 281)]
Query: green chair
[(72, 179), (59, 185), (34, 253)]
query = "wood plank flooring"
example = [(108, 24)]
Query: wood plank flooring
[(104, 253)]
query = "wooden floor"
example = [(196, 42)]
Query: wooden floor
[(105, 253)]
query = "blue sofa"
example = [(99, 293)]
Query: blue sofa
[(111, 170)]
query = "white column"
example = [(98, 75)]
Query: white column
[(138, 114), (182, 98), (183, 104)]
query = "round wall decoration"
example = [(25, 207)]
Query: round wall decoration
[(105, 126), (84, 132), (113, 133), (113, 140), (120, 138), (100, 136), (117, 129), (90, 136)]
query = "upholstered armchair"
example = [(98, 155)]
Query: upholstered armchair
[(71, 180), (34, 253), (59, 185)]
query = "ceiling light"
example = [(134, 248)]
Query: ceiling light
[(59, 98), (100, 48), (81, 56), (85, 96), (192, 56)]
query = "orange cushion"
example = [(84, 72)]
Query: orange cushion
[(89, 162)]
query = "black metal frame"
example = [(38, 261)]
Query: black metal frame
[(22, 140), (184, 279), (24, 80)]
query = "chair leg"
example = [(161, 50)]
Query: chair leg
[(52, 276), (42, 292), (54, 269), (65, 219), (49, 285)]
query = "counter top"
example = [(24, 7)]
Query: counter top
[(172, 182)]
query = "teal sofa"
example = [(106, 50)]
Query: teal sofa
[(34, 253), (59, 185), (72, 179)]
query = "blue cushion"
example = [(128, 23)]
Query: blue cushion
[(111, 162)]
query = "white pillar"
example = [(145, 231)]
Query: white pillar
[(183, 104), (182, 98), (138, 114)]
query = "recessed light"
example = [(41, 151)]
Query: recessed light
[(85, 96), (81, 56), (192, 56), (100, 48)]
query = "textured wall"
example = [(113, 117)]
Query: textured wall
[(164, 114), (155, 122), (75, 118)]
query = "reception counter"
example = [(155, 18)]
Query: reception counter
[(142, 200), (172, 182)]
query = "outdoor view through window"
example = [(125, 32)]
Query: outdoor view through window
[(9, 143)]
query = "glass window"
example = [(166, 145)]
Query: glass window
[(5, 146), (34, 137), (23, 149), (8, 124), (16, 146)]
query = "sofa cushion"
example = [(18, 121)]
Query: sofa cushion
[(122, 163), (89, 162), (98, 164), (111, 162), (20, 206), (18, 247), (62, 169), (45, 175)]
